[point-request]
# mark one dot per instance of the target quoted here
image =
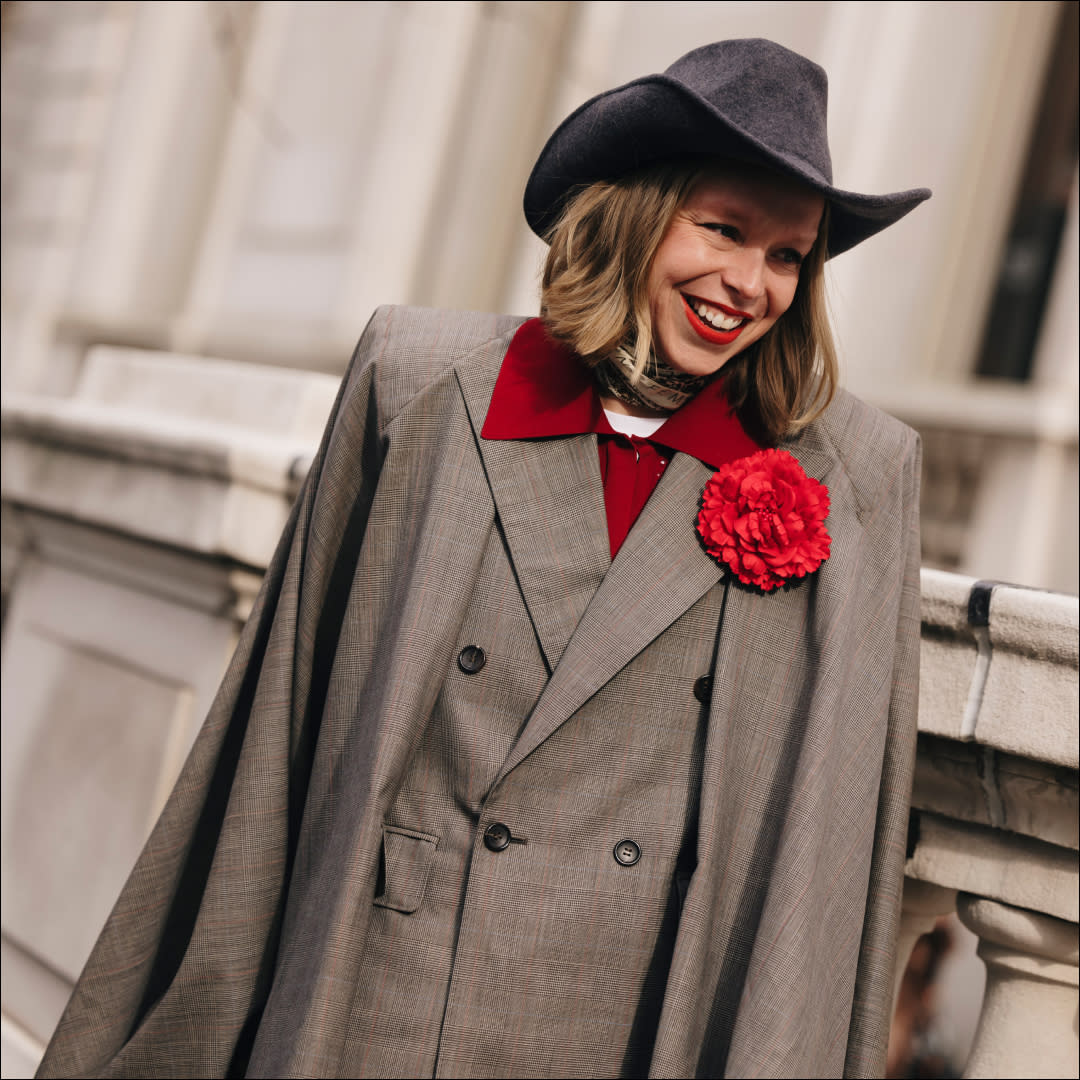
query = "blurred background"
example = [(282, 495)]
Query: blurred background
[(204, 201)]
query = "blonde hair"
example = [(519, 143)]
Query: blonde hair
[(594, 297)]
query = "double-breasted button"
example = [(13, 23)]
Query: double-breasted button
[(703, 689), (627, 852), (496, 837), (471, 659)]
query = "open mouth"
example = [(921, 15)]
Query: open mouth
[(718, 326)]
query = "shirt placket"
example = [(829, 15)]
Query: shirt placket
[(631, 468)]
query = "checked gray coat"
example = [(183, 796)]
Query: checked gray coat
[(237, 945)]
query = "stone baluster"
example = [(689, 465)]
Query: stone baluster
[(1030, 1006)]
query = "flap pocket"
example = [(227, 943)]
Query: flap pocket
[(407, 860)]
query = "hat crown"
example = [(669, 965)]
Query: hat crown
[(747, 100), (767, 91)]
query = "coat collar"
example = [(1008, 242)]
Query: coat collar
[(544, 389)]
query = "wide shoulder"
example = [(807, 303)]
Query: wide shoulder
[(409, 348), (869, 445)]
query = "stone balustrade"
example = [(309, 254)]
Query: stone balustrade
[(138, 516), (995, 832)]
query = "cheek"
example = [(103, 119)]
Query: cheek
[(783, 297)]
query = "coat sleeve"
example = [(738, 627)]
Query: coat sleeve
[(178, 978), (871, 1013)]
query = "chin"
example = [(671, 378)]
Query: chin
[(697, 365)]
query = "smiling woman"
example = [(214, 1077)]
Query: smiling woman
[(572, 733)]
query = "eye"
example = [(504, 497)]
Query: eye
[(791, 257), (728, 232)]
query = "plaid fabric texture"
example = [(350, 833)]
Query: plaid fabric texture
[(326, 831)]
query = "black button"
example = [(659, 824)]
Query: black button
[(703, 689), (497, 837), (471, 659), (627, 852)]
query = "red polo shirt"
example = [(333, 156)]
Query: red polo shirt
[(544, 390)]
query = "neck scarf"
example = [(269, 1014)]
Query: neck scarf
[(659, 388)]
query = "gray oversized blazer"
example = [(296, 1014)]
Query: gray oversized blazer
[(235, 944)]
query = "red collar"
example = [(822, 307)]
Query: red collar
[(543, 389)]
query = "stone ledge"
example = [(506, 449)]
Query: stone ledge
[(216, 451), (195, 511), (991, 407), (999, 667), (279, 402), (201, 455), (1017, 870), (982, 786)]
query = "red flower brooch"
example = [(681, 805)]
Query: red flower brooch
[(764, 518)]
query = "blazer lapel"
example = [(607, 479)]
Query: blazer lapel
[(593, 615), (550, 502), (660, 571)]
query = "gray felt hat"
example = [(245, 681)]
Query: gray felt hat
[(748, 99)]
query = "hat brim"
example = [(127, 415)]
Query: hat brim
[(657, 118)]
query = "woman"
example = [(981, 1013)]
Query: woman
[(550, 750)]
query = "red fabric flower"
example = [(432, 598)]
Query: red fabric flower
[(764, 518)]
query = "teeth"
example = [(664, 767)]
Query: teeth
[(717, 319)]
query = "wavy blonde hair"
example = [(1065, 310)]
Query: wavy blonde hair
[(594, 297)]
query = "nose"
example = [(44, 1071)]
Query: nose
[(744, 273)]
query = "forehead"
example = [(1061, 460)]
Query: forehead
[(757, 192)]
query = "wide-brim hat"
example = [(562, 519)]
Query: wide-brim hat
[(748, 99)]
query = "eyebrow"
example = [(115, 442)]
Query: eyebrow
[(735, 206)]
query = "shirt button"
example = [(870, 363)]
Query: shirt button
[(703, 689), (471, 659), (627, 852), (497, 837)]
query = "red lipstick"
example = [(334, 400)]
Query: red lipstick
[(710, 333)]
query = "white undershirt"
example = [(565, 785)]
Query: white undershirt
[(641, 426)]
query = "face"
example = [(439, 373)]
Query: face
[(728, 266)]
